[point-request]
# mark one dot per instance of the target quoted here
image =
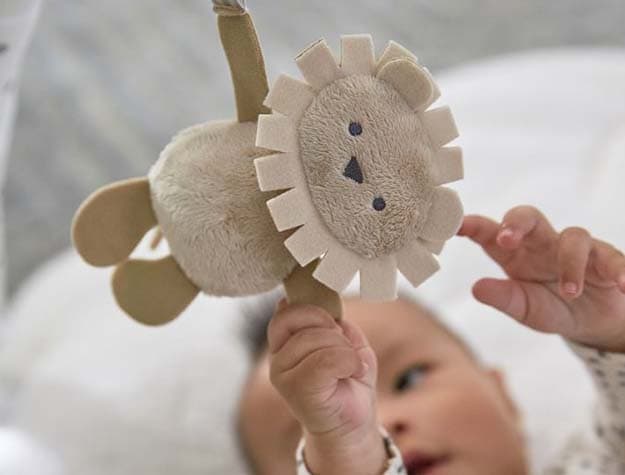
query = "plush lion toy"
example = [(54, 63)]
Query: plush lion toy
[(343, 177)]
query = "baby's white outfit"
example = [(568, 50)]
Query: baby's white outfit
[(600, 451)]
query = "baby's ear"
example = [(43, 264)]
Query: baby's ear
[(410, 80)]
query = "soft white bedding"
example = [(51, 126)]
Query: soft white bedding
[(111, 397)]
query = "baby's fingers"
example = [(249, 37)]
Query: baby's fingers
[(529, 303), (483, 231), (573, 253), (289, 320), (527, 225), (610, 263), (303, 344), (504, 295), (319, 371)]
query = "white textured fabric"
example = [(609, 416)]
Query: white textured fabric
[(112, 397), (394, 464), (599, 449)]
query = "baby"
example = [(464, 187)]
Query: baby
[(390, 390)]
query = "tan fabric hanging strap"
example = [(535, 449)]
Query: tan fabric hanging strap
[(245, 58), (302, 288)]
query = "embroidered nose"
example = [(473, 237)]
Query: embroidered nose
[(379, 204)]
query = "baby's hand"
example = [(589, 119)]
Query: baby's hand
[(566, 283), (326, 372)]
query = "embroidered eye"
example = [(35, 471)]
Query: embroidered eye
[(355, 128), (353, 171), (379, 204), (410, 378)]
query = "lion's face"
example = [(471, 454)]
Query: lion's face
[(360, 158), (367, 158)]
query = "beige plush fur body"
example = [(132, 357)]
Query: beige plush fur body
[(214, 217)]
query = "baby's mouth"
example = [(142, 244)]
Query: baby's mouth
[(418, 463)]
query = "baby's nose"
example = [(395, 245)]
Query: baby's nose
[(379, 204), (397, 428)]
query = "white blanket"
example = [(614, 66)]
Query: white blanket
[(110, 397)]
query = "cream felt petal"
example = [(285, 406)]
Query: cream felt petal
[(337, 268), (359, 166), (286, 209), (416, 263), (436, 92), (275, 172), (276, 132), (392, 52), (410, 81), (395, 51), (357, 54), (378, 279), (318, 65), (440, 125), (435, 247), (306, 244), (444, 217), (289, 96), (112, 221), (448, 165)]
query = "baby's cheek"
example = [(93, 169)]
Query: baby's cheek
[(472, 419)]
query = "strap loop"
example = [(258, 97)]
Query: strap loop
[(229, 7)]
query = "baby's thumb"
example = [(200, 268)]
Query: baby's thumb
[(505, 295)]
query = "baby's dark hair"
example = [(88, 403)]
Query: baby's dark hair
[(257, 314), (259, 311)]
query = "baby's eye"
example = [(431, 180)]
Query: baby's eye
[(411, 377), (355, 128), (353, 171)]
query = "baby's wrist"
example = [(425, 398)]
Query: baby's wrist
[(359, 452)]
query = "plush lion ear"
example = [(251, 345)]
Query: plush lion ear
[(410, 80), (112, 221), (152, 292)]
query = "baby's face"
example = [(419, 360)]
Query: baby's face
[(432, 397)]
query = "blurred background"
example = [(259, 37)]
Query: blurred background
[(106, 84), (104, 87)]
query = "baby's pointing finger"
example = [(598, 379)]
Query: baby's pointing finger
[(480, 229), (573, 253), (483, 231), (525, 224)]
